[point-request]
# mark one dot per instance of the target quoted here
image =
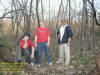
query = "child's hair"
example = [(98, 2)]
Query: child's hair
[(25, 34)]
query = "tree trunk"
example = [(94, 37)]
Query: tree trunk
[(37, 12)]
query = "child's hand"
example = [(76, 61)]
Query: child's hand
[(25, 45)]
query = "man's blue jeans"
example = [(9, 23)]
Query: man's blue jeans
[(36, 56), (40, 47)]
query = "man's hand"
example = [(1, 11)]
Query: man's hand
[(35, 44), (69, 40), (32, 56), (48, 44), (68, 44), (58, 36)]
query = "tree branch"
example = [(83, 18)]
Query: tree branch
[(94, 13), (4, 15)]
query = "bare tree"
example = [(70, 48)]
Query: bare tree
[(94, 11), (42, 9), (37, 12), (58, 13), (69, 11), (83, 20)]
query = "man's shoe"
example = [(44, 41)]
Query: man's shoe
[(37, 65), (66, 65), (58, 62), (32, 64), (50, 64)]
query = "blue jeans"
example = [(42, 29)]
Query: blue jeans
[(27, 54), (36, 56), (40, 47)]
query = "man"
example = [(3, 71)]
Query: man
[(27, 47), (42, 41), (64, 38)]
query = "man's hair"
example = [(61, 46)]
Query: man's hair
[(64, 19), (42, 21)]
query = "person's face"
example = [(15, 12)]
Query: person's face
[(64, 22), (26, 38), (41, 24)]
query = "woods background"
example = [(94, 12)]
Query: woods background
[(25, 15)]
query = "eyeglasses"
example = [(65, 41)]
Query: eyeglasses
[(63, 21)]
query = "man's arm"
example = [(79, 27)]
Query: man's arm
[(69, 39), (35, 40), (48, 44), (58, 34), (70, 36)]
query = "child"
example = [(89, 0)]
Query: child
[(27, 47)]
